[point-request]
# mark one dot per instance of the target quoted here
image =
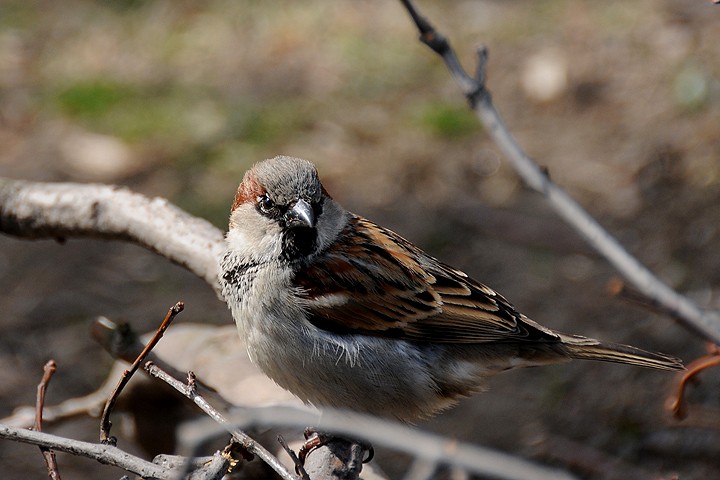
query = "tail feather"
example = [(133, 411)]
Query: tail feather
[(591, 349)]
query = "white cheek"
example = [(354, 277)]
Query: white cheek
[(256, 239)]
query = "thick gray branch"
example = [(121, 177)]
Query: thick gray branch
[(106, 454), (707, 324), (428, 447), (58, 210), (169, 468)]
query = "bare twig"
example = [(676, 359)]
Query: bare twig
[(59, 210), (50, 460), (299, 467), (676, 403), (90, 404), (431, 447), (105, 423), (120, 341), (202, 468), (206, 468), (48, 371), (706, 324), (124, 344), (242, 438), (38, 210), (106, 454)]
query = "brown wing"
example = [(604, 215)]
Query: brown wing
[(374, 282)]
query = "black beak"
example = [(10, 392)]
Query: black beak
[(300, 215)]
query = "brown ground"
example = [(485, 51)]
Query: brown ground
[(177, 99)]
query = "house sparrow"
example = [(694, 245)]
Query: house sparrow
[(347, 314)]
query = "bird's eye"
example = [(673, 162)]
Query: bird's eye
[(265, 204)]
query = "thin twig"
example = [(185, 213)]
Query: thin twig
[(90, 405), (378, 431), (120, 341), (50, 460), (706, 324), (48, 371), (105, 422), (299, 467), (61, 210), (439, 44), (676, 403), (242, 438), (106, 454), (199, 468)]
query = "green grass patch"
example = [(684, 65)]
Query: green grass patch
[(448, 120), (127, 111), (93, 98)]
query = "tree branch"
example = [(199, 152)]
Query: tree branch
[(58, 210), (242, 438), (166, 468), (42, 210), (426, 446), (105, 454), (706, 324)]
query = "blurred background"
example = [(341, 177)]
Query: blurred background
[(619, 100)]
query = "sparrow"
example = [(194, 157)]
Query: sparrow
[(347, 314)]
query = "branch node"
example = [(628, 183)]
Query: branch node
[(479, 93), (234, 448), (192, 382)]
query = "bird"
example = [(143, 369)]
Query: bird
[(347, 314)]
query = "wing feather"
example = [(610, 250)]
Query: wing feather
[(372, 281)]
